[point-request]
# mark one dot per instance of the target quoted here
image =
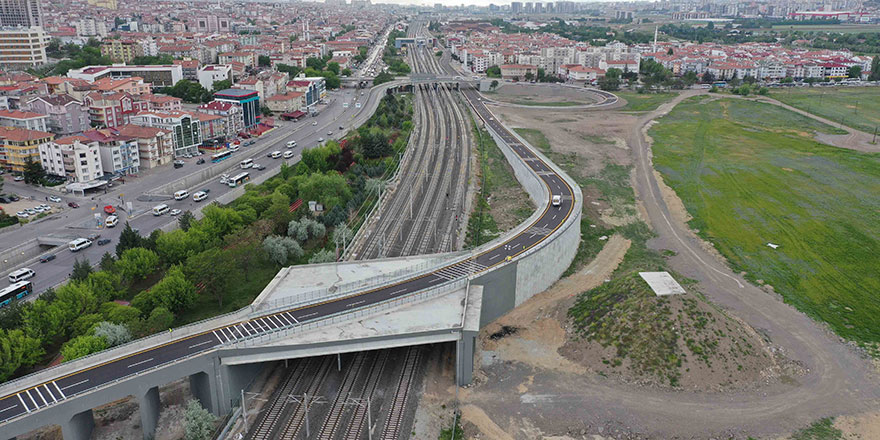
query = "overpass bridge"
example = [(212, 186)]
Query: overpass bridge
[(220, 356)]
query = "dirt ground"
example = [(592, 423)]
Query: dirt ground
[(549, 93)]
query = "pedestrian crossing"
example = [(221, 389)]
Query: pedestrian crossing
[(247, 329), (537, 230), (39, 397), (460, 270)]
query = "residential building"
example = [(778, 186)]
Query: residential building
[(23, 119), (312, 91), (89, 27), (163, 103), (156, 75), (208, 75), (76, 158), (248, 100), (22, 47), (21, 145), (122, 51), (155, 146), (119, 153), (113, 109), (24, 13), (66, 116), (233, 122), (107, 4), (184, 127), (190, 69), (133, 86), (518, 71), (247, 58), (287, 102)]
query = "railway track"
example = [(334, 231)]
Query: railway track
[(331, 422), (401, 395), (356, 424), (296, 420), (264, 429)]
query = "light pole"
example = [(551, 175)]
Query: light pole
[(364, 403), (307, 401), (244, 407)]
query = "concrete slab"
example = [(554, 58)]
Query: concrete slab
[(662, 283), (314, 281)]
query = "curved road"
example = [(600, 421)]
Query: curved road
[(27, 400)]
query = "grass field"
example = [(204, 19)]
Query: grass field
[(643, 102), (856, 107), (846, 28), (750, 174)]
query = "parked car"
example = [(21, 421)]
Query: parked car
[(94, 237), (55, 199), (109, 209), (178, 163), (103, 241), (47, 258), (314, 122), (45, 206), (73, 204), (330, 133), (18, 178), (22, 214)]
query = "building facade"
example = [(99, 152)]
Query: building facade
[(22, 47), (20, 13), (248, 100), (66, 116), (155, 146), (184, 127), (21, 145), (74, 157)]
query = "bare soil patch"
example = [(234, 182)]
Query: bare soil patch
[(537, 94)]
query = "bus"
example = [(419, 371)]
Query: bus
[(238, 180), (16, 291), (219, 157)]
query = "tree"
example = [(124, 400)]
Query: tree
[(81, 269), (708, 77), (609, 84), (185, 220), (342, 236), (33, 171), (529, 75), (213, 269), (281, 249), (493, 72), (382, 77), (45, 321), (346, 72), (198, 422), (266, 111), (160, 319), (670, 51), (17, 350), (875, 69), (82, 346), (221, 85), (108, 262), (322, 256), (174, 292), (104, 285), (494, 84), (264, 61), (333, 67), (114, 334), (137, 263), (855, 72), (690, 78), (128, 239), (120, 314)]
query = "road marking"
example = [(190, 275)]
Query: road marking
[(201, 343), (285, 319), (435, 280), (243, 328), (7, 409), (59, 389), (36, 405), (494, 257), (218, 337), (140, 363), (397, 291), (48, 391), (37, 391), (22, 403), (72, 385), (356, 303), (306, 316)]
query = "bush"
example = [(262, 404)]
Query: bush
[(198, 422), (82, 346), (114, 334)]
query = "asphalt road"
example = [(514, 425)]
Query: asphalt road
[(44, 394), (80, 222)]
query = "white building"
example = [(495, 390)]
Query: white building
[(184, 127), (89, 27), (208, 75), (22, 47), (75, 157)]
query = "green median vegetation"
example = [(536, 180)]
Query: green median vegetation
[(216, 264), (752, 175)]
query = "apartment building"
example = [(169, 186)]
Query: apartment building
[(24, 13), (208, 75), (22, 47), (23, 119), (122, 51), (156, 75), (246, 58), (21, 145), (113, 109), (233, 121), (66, 116), (119, 153), (155, 147), (184, 127), (518, 71), (76, 158)]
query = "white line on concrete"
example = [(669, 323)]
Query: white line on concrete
[(201, 343), (7, 409), (243, 328), (59, 389), (285, 319), (140, 363), (73, 385), (22, 403), (355, 303), (290, 315), (40, 393), (435, 280)]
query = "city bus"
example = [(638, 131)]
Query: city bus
[(238, 180), (16, 291), (219, 157)]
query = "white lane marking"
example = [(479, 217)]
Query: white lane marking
[(22, 403), (48, 391), (310, 314), (201, 343), (59, 389), (292, 317), (285, 319), (397, 291), (355, 303), (554, 217), (435, 280), (253, 327), (140, 363), (243, 328), (274, 320), (256, 323), (494, 257), (73, 385), (218, 337), (38, 393), (240, 334), (8, 408)]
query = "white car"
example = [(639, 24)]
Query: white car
[(45, 207), (223, 178), (330, 133), (288, 154), (22, 214), (55, 199), (291, 144), (313, 123), (199, 196), (357, 105), (320, 139), (175, 211)]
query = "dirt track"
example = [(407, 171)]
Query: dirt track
[(529, 400)]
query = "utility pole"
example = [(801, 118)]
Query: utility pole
[(363, 403), (307, 401), (244, 413)]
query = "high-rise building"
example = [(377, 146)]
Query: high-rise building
[(22, 47), (20, 13), (516, 7), (109, 4)]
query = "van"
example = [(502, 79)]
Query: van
[(199, 196), (111, 221), (180, 195), (160, 209), (21, 275), (276, 154), (247, 163), (78, 244)]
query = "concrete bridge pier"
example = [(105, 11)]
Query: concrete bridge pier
[(464, 358), (79, 427), (202, 387), (149, 408)]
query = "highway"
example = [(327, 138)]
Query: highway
[(36, 396)]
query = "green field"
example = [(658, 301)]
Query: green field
[(644, 102), (856, 107), (845, 29), (750, 174)]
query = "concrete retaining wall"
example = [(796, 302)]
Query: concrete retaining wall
[(12, 257)]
